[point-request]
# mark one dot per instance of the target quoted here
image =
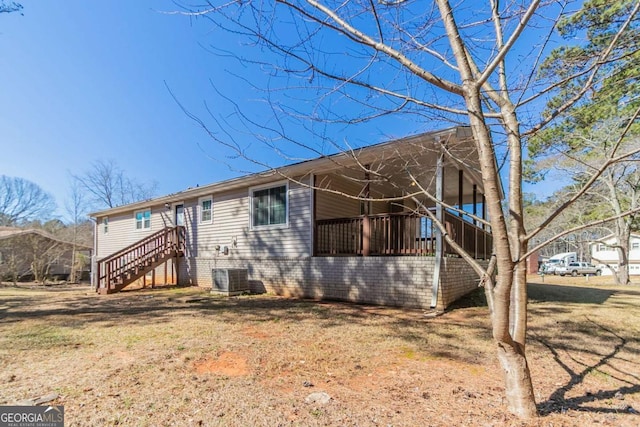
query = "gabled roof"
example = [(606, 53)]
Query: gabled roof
[(459, 155), (11, 232)]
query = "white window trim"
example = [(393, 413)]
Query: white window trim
[(286, 214), (105, 225), (135, 221), (200, 210)]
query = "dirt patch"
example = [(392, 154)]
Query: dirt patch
[(254, 332), (228, 363)]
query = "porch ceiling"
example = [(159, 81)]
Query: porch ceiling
[(392, 170)]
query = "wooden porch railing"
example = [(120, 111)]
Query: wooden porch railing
[(123, 267), (397, 234)]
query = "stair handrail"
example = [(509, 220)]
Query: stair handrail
[(173, 240), (141, 242)]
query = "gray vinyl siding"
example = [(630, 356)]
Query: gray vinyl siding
[(230, 222), (331, 205), (122, 229)]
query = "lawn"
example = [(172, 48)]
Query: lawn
[(181, 356)]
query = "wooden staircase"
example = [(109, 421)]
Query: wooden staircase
[(126, 266)]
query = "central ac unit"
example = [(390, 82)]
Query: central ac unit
[(230, 281)]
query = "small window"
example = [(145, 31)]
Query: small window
[(635, 245), (269, 206), (206, 210), (143, 219), (105, 225)]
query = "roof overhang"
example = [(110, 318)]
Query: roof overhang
[(457, 143)]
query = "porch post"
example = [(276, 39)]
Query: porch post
[(475, 222), (460, 189), (366, 236), (438, 232), (475, 203), (460, 214), (484, 211), (484, 227), (314, 229), (366, 222)]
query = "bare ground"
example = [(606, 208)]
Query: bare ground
[(180, 356)]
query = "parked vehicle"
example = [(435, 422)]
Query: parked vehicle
[(576, 268), (556, 261)]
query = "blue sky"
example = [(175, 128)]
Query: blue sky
[(86, 80), (83, 81)]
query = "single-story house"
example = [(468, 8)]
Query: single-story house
[(605, 255), (304, 229), (31, 253)]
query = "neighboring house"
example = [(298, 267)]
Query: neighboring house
[(605, 255), (28, 253), (301, 230)]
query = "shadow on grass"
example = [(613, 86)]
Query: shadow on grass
[(559, 293), (559, 403), (539, 292)]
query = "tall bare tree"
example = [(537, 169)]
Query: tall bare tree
[(76, 208), (22, 200), (107, 185), (616, 191), (345, 63)]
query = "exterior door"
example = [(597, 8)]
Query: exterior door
[(179, 215)]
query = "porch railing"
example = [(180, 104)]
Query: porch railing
[(397, 234)]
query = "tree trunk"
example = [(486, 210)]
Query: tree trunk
[(518, 385), (509, 333), (622, 275)]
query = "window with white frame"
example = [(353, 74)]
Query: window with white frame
[(635, 245), (143, 219), (105, 224), (206, 210), (269, 206)]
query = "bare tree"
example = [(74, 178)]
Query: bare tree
[(616, 191), (359, 61), (107, 185), (22, 200), (31, 252), (75, 206)]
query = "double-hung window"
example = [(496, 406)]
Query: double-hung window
[(206, 210), (269, 206), (143, 219)]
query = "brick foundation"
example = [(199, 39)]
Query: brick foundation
[(393, 281)]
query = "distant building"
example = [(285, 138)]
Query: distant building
[(29, 253), (604, 254)]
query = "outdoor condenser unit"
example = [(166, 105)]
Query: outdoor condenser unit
[(230, 281)]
